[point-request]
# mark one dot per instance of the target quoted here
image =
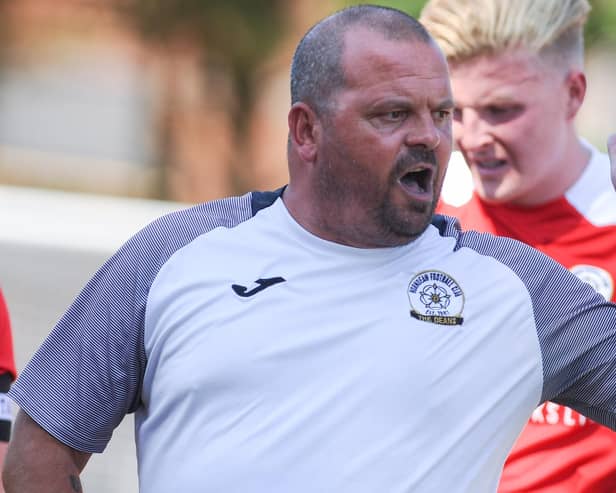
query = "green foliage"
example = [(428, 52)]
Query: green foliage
[(412, 7), (601, 27), (234, 35), (240, 31)]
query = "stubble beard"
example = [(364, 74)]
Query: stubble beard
[(363, 213), (404, 225), (412, 221)]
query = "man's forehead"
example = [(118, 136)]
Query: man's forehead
[(363, 45), (369, 58), (363, 38)]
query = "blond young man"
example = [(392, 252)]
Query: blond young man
[(518, 83)]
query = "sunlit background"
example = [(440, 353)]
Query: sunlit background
[(179, 99), (113, 112)]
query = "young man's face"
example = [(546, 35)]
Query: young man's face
[(387, 142), (512, 122)]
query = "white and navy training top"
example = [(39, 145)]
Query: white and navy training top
[(260, 358)]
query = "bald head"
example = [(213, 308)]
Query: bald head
[(317, 71)]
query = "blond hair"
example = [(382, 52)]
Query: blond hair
[(467, 28)]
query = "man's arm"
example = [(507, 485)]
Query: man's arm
[(38, 463), (3, 447)]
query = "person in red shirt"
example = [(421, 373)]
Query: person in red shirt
[(7, 376), (518, 83)]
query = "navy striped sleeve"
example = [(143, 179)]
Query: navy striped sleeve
[(576, 327), (87, 374)]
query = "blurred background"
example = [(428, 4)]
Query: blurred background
[(113, 112)]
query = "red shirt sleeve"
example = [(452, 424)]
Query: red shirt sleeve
[(7, 359)]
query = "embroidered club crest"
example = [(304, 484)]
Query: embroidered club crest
[(436, 297)]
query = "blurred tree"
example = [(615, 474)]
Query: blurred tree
[(601, 27), (238, 32), (5, 30), (412, 7), (234, 36)]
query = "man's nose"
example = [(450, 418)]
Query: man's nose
[(424, 133), (471, 132)]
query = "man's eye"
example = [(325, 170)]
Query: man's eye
[(393, 116), (443, 115), (396, 115)]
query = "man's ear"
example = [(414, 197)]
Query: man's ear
[(575, 84), (304, 129)]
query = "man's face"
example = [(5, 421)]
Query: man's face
[(511, 125), (386, 141)]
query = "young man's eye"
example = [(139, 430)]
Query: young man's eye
[(501, 114), (497, 110)]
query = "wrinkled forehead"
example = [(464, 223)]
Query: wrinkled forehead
[(368, 54)]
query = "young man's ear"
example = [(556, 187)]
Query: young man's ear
[(304, 131), (576, 91)]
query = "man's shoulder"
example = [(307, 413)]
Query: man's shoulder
[(152, 247), (182, 226)]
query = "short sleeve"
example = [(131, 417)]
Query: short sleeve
[(87, 375)]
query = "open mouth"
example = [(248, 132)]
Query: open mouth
[(418, 180)]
